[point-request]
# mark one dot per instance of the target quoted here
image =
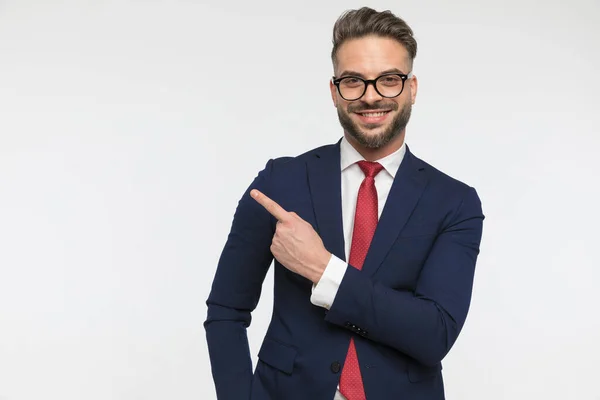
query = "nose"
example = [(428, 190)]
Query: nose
[(371, 94)]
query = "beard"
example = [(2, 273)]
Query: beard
[(395, 128)]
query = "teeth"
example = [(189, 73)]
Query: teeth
[(379, 114)]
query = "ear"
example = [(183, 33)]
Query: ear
[(414, 85), (334, 94)]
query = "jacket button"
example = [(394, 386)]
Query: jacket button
[(335, 367)]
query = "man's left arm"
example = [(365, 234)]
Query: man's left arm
[(423, 324)]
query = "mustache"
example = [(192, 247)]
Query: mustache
[(364, 107)]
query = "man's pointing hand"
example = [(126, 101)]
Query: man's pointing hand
[(295, 244)]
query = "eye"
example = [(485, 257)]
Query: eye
[(391, 80), (351, 82)]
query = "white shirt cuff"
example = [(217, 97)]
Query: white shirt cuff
[(323, 293)]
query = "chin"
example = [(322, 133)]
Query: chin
[(372, 132)]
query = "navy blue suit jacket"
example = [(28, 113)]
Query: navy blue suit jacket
[(405, 308)]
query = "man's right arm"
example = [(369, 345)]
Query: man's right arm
[(235, 292)]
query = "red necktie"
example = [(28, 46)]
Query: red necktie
[(365, 222)]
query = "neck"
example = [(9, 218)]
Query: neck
[(379, 153)]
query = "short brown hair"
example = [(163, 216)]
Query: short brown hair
[(355, 24)]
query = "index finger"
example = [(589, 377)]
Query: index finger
[(272, 207)]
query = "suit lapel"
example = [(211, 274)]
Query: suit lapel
[(325, 182), (408, 185)]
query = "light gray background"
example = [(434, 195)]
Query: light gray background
[(129, 130)]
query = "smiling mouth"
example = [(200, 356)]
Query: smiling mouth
[(376, 117), (373, 114)]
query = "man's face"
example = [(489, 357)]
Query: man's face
[(373, 120)]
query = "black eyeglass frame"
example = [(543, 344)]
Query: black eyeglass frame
[(367, 82)]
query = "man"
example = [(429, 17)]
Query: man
[(374, 249)]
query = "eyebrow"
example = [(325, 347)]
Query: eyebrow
[(355, 73)]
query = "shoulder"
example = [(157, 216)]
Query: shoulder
[(437, 176), (308, 155), (442, 185), (290, 164)]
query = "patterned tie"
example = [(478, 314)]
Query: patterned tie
[(365, 222)]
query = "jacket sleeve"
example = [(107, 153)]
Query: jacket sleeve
[(235, 293), (423, 324)]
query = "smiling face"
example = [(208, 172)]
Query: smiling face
[(373, 121)]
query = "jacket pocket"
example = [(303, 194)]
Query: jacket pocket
[(419, 373), (278, 355)]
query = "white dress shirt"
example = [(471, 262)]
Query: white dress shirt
[(323, 293)]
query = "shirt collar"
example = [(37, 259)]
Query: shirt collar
[(349, 156)]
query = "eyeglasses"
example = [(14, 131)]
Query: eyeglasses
[(352, 88)]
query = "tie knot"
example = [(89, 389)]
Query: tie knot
[(370, 168)]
